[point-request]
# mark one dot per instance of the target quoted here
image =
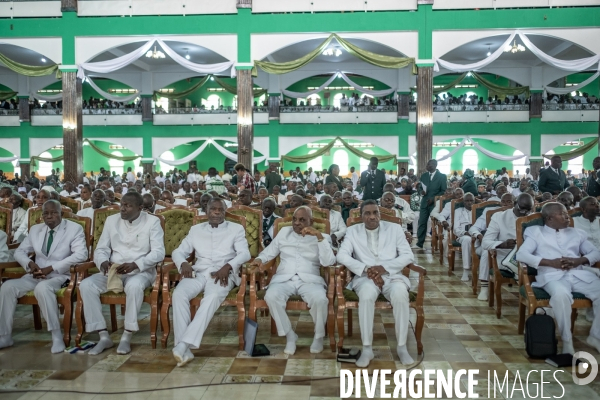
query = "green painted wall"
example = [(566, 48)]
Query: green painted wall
[(6, 166), (483, 160), (587, 157)]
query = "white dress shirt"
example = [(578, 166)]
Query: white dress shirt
[(462, 218), (300, 255), (336, 223), (88, 212), (445, 214), (214, 247), (67, 249), (64, 193), (130, 177), (140, 241), (591, 228), (544, 242), (480, 224), (195, 178), (22, 232), (18, 216)]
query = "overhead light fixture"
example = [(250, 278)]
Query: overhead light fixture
[(332, 52), (515, 48), (489, 53), (155, 54), (187, 55), (43, 60)]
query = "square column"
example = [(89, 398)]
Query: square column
[(424, 116), (245, 117), (72, 124), (25, 165), (146, 100), (403, 106), (535, 105), (402, 163), (68, 5), (535, 166), (274, 101), (148, 165), (24, 111)]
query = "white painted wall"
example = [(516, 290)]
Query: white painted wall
[(162, 144), (132, 143), (13, 144), (38, 145), (155, 7), (270, 6), (471, 4), (570, 116), (549, 142), (107, 120), (339, 118), (521, 141), (49, 47), (30, 9), (9, 120)]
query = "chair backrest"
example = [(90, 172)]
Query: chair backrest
[(574, 213), (27, 203), (6, 222), (164, 204), (488, 216), (445, 199), (177, 226), (320, 213), (384, 217), (538, 208), (355, 212), (322, 225), (254, 232), (523, 223), (73, 204), (405, 197), (229, 217), (86, 224), (100, 216), (478, 209), (456, 203), (35, 215)]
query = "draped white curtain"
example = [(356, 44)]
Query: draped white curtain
[(109, 96), (199, 150), (298, 95), (488, 153), (54, 97), (374, 93), (104, 67), (8, 159), (565, 90)]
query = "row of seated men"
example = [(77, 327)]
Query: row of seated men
[(132, 244)]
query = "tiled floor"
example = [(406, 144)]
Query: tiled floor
[(460, 333)]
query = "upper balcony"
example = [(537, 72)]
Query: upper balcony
[(552, 112), (91, 117), (9, 117), (198, 116), (494, 4), (311, 6), (29, 8), (341, 115), (89, 8), (474, 113)]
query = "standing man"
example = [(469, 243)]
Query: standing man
[(272, 178), (372, 181), (434, 184), (593, 185), (553, 179), (354, 178)]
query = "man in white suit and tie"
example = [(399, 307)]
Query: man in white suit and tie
[(377, 252), (58, 244), (302, 250)]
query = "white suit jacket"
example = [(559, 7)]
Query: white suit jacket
[(18, 216), (394, 252), (338, 227), (299, 255), (68, 247), (543, 242)]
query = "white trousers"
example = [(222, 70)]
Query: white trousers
[(465, 243), (484, 264), (561, 300), (44, 291), (189, 331), (312, 293), (445, 246), (92, 287), (396, 292), (415, 224)]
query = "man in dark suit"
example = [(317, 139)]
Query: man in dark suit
[(553, 179), (593, 187), (372, 181), (434, 184), (272, 178)]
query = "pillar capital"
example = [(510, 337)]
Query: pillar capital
[(244, 66), (68, 68)]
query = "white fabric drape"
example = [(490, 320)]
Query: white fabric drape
[(454, 151), (567, 65), (200, 68), (374, 93), (298, 95), (199, 150), (233, 156), (497, 156), (474, 66), (54, 97), (565, 90), (108, 96), (107, 66), (8, 159)]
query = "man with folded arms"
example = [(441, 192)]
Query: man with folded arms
[(221, 248), (135, 241), (376, 252), (57, 244), (559, 253), (302, 250)]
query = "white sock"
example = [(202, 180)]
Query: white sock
[(465, 275), (5, 341), (103, 344), (182, 354), (316, 346), (365, 357), (58, 346), (125, 343), (405, 358), (592, 341), (290, 346), (568, 346)]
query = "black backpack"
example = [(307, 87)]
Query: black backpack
[(540, 338)]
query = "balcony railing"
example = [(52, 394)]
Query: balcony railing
[(569, 107), (460, 108), (314, 6), (24, 8), (111, 111), (47, 111), (89, 8), (4, 112), (332, 109), (193, 110)]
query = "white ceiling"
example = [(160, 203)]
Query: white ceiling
[(23, 55)]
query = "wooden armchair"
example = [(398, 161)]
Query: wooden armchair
[(348, 299), (151, 294), (453, 245), (73, 204), (355, 212), (6, 223), (498, 276), (476, 212), (171, 277), (439, 228), (178, 223), (253, 227), (27, 204), (65, 296), (320, 213), (532, 297), (164, 204), (257, 297)]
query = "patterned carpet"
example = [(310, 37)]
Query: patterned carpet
[(460, 333)]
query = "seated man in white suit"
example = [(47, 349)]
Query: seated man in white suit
[(377, 252), (221, 248), (58, 244), (463, 219), (302, 250), (134, 240), (336, 222), (559, 253)]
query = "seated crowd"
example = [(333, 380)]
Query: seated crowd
[(370, 217)]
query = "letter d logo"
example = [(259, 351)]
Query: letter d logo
[(588, 363)]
